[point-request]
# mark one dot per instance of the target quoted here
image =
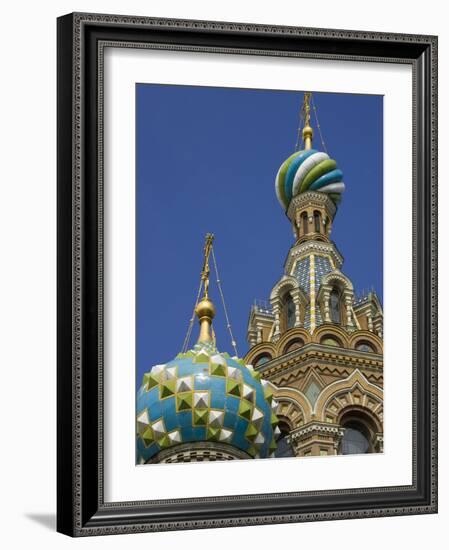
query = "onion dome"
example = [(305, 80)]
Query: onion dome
[(308, 169), (205, 396)]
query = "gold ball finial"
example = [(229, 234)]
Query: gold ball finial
[(307, 135), (205, 311), (205, 308)]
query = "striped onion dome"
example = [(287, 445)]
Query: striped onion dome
[(308, 170), (205, 396)]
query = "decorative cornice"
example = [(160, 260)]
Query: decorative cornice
[(298, 372), (316, 428), (311, 198), (314, 352)]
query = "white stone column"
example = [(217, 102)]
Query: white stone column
[(252, 336), (277, 319), (369, 321), (348, 306), (327, 309), (296, 301), (378, 327)]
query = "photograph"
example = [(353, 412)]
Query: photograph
[(259, 273), (239, 206)]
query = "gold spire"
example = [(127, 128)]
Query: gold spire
[(307, 131), (205, 309)]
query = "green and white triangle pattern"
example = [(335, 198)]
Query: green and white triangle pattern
[(179, 391)]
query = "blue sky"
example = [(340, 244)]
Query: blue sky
[(206, 162)]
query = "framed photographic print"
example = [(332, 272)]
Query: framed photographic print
[(246, 274)]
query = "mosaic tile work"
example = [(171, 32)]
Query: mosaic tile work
[(302, 274), (204, 395), (322, 267)]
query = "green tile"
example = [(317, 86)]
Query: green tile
[(245, 409), (147, 437), (213, 434), (217, 369), (200, 417), (233, 387), (251, 432), (149, 381), (167, 388), (184, 401)]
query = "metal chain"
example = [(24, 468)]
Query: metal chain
[(189, 328), (318, 125), (298, 143), (228, 324)]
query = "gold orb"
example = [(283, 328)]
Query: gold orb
[(205, 308), (307, 131)]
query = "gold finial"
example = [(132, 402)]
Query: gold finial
[(206, 271), (307, 131), (205, 309)]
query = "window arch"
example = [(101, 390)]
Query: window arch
[(334, 306), (359, 433), (262, 359), (305, 223), (356, 439), (317, 221), (290, 312), (330, 340), (365, 346), (296, 343)]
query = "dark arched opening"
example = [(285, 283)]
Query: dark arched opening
[(296, 343), (334, 306), (305, 223), (262, 359), (317, 221)]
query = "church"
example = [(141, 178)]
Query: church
[(311, 383)]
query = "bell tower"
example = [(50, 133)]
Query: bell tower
[(317, 341), (311, 215)]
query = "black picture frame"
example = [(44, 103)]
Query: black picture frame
[(81, 509)]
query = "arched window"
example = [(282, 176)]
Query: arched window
[(284, 447), (356, 438), (290, 312), (365, 346), (334, 306), (317, 221), (305, 223), (330, 341), (296, 343), (261, 359)]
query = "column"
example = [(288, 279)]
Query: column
[(378, 327), (296, 301), (327, 310), (252, 337), (277, 319), (348, 306)]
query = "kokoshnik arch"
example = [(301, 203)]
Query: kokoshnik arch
[(312, 381)]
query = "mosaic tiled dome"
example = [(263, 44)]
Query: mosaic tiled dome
[(308, 170), (204, 395)]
